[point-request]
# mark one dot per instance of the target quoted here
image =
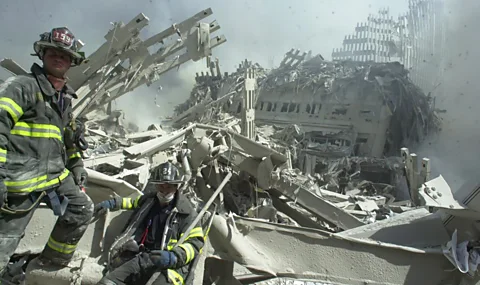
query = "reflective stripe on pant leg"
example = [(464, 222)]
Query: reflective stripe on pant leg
[(175, 277), (61, 247), (70, 227)]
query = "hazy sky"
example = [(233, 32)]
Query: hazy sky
[(260, 30)]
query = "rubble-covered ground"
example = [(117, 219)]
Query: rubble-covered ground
[(348, 191), (350, 208)]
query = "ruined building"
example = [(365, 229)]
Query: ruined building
[(416, 39), (288, 168)]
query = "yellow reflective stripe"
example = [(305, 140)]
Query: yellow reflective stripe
[(195, 232), (126, 203), (204, 239), (206, 234), (61, 247), (3, 155), (73, 153), (171, 244), (12, 108), (33, 184), (135, 202), (175, 277), (39, 96), (77, 154), (36, 130), (188, 248)]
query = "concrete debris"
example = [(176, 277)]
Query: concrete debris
[(268, 208), (310, 89), (318, 189)]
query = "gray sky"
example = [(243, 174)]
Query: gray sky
[(260, 30), (455, 153)]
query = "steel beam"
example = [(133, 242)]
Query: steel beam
[(286, 251)]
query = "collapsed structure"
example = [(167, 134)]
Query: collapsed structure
[(324, 194)]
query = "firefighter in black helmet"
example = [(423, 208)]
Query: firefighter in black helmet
[(36, 162), (151, 246)]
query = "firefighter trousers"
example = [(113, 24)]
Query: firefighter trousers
[(66, 233), (137, 270)]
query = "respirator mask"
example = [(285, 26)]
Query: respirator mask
[(165, 198), (166, 192)]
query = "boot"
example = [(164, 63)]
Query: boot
[(46, 261)]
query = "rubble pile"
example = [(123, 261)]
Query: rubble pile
[(408, 114), (320, 191), (213, 85)]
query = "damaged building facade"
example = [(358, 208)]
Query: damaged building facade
[(299, 172), (320, 111), (416, 39)]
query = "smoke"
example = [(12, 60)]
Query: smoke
[(454, 154), (261, 31)]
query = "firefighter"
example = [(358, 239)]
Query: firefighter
[(147, 251), (36, 162)]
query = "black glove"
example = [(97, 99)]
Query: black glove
[(80, 175), (79, 136), (75, 138), (3, 193), (163, 259)]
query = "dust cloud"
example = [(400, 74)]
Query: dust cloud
[(454, 154), (263, 31)]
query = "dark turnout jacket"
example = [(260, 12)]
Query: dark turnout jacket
[(177, 217), (33, 117)]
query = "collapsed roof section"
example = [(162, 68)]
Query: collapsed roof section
[(339, 108)]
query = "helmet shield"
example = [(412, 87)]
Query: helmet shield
[(166, 173), (63, 39)]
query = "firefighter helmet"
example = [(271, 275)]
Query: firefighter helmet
[(63, 39), (166, 173)]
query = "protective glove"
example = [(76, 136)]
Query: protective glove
[(101, 208), (104, 205), (163, 259), (80, 175), (3, 193)]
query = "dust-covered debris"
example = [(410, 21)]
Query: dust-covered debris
[(324, 175)]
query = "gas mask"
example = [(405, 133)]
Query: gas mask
[(165, 198)]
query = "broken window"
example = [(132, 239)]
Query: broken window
[(297, 110), (308, 108), (284, 107), (314, 108), (365, 112), (361, 140), (292, 107), (274, 107), (368, 115), (261, 106), (269, 106), (339, 111)]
